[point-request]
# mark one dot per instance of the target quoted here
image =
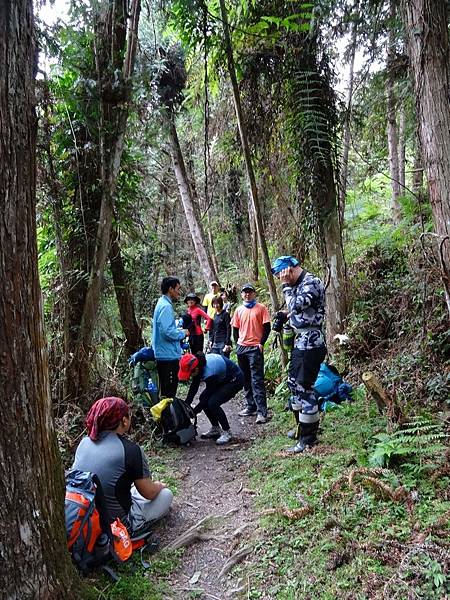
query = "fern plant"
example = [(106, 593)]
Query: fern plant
[(419, 439)]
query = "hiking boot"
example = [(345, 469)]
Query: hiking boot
[(211, 434), (260, 419), (224, 438), (299, 447), (247, 412)]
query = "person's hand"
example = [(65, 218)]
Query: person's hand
[(186, 332), (227, 348), (286, 275)]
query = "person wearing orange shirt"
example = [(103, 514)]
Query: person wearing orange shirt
[(251, 328)]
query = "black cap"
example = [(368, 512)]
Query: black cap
[(248, 286), (192, 296)]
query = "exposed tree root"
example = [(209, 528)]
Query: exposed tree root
[(293, 514), (234, 560)]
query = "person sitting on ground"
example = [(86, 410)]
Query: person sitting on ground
[(131, 494), (208, 298), (251, 328), (220, 334), (196, 337), (223, 380)]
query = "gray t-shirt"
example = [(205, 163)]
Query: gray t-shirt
[(117, 462)]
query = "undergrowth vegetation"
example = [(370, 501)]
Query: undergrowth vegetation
[(367, 532)]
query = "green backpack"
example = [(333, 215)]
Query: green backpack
[(145, 377)]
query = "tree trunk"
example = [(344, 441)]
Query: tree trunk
[(326, 203), (35, 564), (347, 123), (428, 48), (254, 240), (115, 53), (401, 151), (417, 174), (194, 224), (248, 159), (391, 115), (130, 327)]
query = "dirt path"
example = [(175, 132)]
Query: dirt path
[(213, 482)]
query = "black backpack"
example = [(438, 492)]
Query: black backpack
[(178, 422)]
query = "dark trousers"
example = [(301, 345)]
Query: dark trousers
[(218, 349), (305, 365), (168, 377), (251, 362), (212, 405), (196, 343)]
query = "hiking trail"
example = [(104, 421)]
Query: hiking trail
[(213, 507)]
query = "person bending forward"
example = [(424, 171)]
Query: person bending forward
[(223, 380)]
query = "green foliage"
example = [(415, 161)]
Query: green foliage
[(354, 535), (420, 438), (137, 583)]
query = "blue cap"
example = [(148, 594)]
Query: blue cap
[(283, 262)]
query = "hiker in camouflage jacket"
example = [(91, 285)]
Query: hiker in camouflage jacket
[(305, 301)]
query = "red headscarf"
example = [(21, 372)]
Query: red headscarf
[(105, 415)]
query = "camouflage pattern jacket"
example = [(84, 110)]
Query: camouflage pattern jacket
[(305, 303)]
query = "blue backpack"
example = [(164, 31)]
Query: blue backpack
[(330, 387)]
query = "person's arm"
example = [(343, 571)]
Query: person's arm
[(167, 324), (137, 470), (235, 324), (209, 321), (212, 383), (227, 321), (148, 488), (297, 302), (212, 332), (266, 333), (193, 389)]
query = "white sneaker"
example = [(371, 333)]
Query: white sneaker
[(224, 438), (261, 419), (211, 434)]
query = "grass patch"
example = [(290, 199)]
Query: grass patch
[(137, 582), (357, 541)]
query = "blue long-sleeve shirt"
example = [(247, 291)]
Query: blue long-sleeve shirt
[(165, 334)]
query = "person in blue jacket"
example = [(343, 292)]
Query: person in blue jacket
[(223, 380), (166, 337)]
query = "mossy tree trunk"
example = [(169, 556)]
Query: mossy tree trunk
[(34, 562), (426, 24)]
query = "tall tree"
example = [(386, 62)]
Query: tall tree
[(391, 115), (171, 80), (115, 43), (346, 134), (248, 159), (426, 24), (34, 563), (188, 201), (130, 326)]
